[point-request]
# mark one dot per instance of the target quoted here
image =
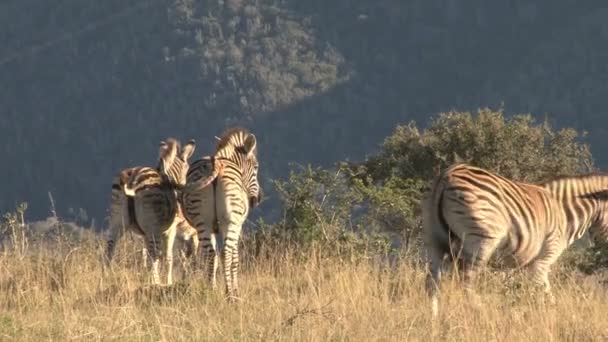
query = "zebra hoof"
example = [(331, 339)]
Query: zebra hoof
[(434, 308)]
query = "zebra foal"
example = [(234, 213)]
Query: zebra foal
[(220, 192), (144, 201), (472, 213)]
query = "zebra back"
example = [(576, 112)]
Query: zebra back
[(170, 173), (235, 159), (469, 203), (583, 198), (477, 214)]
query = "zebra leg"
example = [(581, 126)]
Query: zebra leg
[(186, 247), (230, 245), (435, 258), (476, 254), (119, 223), (235, 270), (230, 249), (184, 254), (111, 246), (115, 235), (541, 267), (153, 247), (540, 276), (169, 241), (194, 250), (117, 228), (144, 257), (192, 256), (210, 262)]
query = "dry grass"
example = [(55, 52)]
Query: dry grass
[(62, 294)]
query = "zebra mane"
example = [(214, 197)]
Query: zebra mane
[(597, 188), (233, 137), (576, 177), (601, 195), (173, 142)]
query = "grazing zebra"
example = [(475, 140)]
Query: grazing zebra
[(144, 201), (472, 213), (220, 192)]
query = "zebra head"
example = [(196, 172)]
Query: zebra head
[(250, 172), (173, 160), (240, 147)]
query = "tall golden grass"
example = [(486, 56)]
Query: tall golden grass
[(59, 292)]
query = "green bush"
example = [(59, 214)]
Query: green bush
[(319, 210), (516, 147)]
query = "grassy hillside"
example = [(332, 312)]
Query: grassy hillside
[(60, 293)]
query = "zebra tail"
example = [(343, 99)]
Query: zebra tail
[(436, 230), (204, 182), (124, 179), (129, 191)]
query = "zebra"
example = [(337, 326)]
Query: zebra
[(144, 201), (472, 213), (186, 235), (220, 191)]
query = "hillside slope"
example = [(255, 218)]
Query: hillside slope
[(90, 87)]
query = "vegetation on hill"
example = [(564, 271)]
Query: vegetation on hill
[(91, 87)]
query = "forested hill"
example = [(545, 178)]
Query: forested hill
[(89, 87)]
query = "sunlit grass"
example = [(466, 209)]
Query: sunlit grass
[(63, 294)]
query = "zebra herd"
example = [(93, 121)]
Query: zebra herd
[(209, 199), (469, 214)]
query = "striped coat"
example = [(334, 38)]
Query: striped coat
[(471, 214), (123, 208), (144, 200), (221, 191)]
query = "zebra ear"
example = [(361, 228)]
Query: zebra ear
[(166, 155), (162, 149), (250, 144), (188, 149)]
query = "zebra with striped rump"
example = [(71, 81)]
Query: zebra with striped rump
[(144, 201), (472, 213), (122, 208), (220, 192)]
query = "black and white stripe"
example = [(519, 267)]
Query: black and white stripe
[(472, 213), (220, 192), (144, 200)]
